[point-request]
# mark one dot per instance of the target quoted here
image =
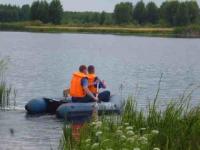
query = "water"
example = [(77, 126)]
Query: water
[(41, 65)]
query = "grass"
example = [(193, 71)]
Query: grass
[(6, 92), (109, 29), (188, 31), (175, 127), (191, 31)]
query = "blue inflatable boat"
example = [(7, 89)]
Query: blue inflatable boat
[(73, 110), (64, 108)]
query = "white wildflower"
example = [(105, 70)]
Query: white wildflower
[(123, 137), (129, 128), (136, 148), (93, 123), (155, 132), (156, 148), (131, 140), (130, 133), (120, 127), (87, 140), (126, 124), (143, 140), (119, 132), (98, 133), (95, 146), (142, 129), (98, 124)]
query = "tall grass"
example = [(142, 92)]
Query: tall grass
[(175, 127), (7, 94)]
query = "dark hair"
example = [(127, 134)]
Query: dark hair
[(91, 69), (82, 68)]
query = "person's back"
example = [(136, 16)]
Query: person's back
[(95, 83), (79, 87)]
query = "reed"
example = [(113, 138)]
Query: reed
[(7, 94), (175, 127)]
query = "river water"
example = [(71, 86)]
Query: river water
[(41, 64)]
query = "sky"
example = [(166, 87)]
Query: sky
[(84, 5)]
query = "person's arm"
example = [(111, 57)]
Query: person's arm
[(89, 93), (84, 83), (101, 83)]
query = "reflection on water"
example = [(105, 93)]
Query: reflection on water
[(21, 132), (41, 66)]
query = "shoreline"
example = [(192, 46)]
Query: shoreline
[(116, 30)]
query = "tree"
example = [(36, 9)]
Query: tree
[(43, 11), (182, 14), (39, 11), (193, 11), (152, 13), (55, 11), (25, 12), (34, 10), (102, 18), (139, 12), (123, 13), (168, 11)]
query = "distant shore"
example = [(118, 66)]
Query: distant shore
[(123, 30)]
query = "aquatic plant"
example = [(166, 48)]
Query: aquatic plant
[(7, 94), (177, 126)]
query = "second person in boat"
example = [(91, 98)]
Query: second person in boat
[(79, 90)]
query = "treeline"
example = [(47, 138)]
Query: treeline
[(87, 18), (39, 10), (172, 13), (169, 13), (10, 13)]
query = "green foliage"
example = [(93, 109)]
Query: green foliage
[(182, 15), (102, 18), (174, 127), (55, 12), (193, 11), (168, 11), (9, 13), (152, 13), (123, 13), (25, 13), (139, 12), (5, 91), (40, 11), (188, 31), (87, 18)]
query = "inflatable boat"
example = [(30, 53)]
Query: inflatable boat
[(64, 108)]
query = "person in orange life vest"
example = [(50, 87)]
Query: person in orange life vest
[(94, 81), (79, 90)]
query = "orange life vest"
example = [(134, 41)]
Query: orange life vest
[(76, 90), (91, 80)]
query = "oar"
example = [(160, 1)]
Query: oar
[(95, 110)]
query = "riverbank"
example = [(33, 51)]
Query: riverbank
[(123, 30), (175, 127)]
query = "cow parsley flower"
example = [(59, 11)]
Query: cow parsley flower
[(130, 133), (95, 146), (129, 128), (136, 148), (155, 132), (98, 133), (156, 148)]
